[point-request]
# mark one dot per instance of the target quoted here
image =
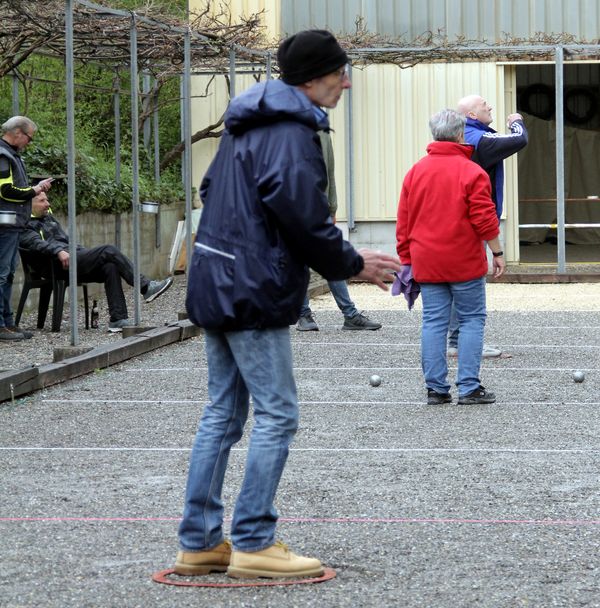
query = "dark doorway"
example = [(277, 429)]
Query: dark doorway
[(537, 164)]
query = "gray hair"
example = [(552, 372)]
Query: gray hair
[(19, 122), (447, 125)]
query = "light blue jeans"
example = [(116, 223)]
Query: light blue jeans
[(339, 291), (468, 299), (9, 249), (240, 364), (453, 329)]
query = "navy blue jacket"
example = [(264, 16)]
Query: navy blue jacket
[(265, 217), (491, 148)]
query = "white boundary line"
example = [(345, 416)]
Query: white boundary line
[(372, 367), (592, 451), (394, 403), (399, 344)]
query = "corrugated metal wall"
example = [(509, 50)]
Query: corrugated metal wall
[(271, 15), (391, 108), (474, 19)]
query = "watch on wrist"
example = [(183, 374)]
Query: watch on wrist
[(497, 254)]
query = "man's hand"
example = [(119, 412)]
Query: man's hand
[(63, 257), (377, 267), (512, 117), (43, 186), (498, 266)]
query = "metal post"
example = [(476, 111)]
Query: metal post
[(560, 160), (117, 114), (156, 137), (187, 174), (135, 170), (147, 131), (156, 159), (15, 95), (181, 113), (70, 94), (350, 155), (269, 66), (231, 73)]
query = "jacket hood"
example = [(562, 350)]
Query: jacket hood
[(269, 102), (450, 147)]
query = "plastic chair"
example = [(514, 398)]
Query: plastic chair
[(46, 274)]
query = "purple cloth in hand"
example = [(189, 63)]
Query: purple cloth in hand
[(405, 284)]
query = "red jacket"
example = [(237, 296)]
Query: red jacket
[(444, 214)]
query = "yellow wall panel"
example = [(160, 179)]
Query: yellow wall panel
[(391, 111), (271, 12)]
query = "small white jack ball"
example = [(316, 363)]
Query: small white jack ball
[(375, 380), (578, 376)]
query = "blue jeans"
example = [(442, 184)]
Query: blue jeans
[(468, 299), (339, 291), (9, 249), (453, 329), (240, 364)]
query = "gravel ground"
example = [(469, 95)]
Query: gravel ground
[(413, 506), (500, 297), (40, 349)]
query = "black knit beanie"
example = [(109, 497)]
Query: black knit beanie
[(309, 54)]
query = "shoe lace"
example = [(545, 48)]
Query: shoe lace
[(281, 545)]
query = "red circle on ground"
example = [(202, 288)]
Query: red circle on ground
[(163, 577)]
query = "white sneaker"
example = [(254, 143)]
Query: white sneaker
[(488, 352)]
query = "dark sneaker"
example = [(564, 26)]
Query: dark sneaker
[(115, 326), (307, 323), (360, 321), (435, 398), (7, 334), (26, 334), (476, 397), (156, 288)]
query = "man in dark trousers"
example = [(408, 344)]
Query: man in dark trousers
[(353, 319), (15, 202), (43, 234), (265, 220)]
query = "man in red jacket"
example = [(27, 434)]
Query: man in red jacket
[(444, 215)]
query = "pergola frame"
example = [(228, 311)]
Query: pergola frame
[(210, 54)]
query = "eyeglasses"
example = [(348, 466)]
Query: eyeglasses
[(29, 137), (343, 72)]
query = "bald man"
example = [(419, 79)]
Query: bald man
[(491, 148)]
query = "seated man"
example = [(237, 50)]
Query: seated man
[(103, 264)]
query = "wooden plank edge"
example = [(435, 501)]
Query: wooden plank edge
[(27, 380)]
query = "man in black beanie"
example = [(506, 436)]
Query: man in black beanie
[(265, 220)]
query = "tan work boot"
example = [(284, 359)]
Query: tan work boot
[(190, 563), (276, 561)]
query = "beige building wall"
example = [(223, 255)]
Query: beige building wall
[(391, 110), (209, 93)]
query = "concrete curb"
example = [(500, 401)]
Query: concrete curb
[(21, 382)]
